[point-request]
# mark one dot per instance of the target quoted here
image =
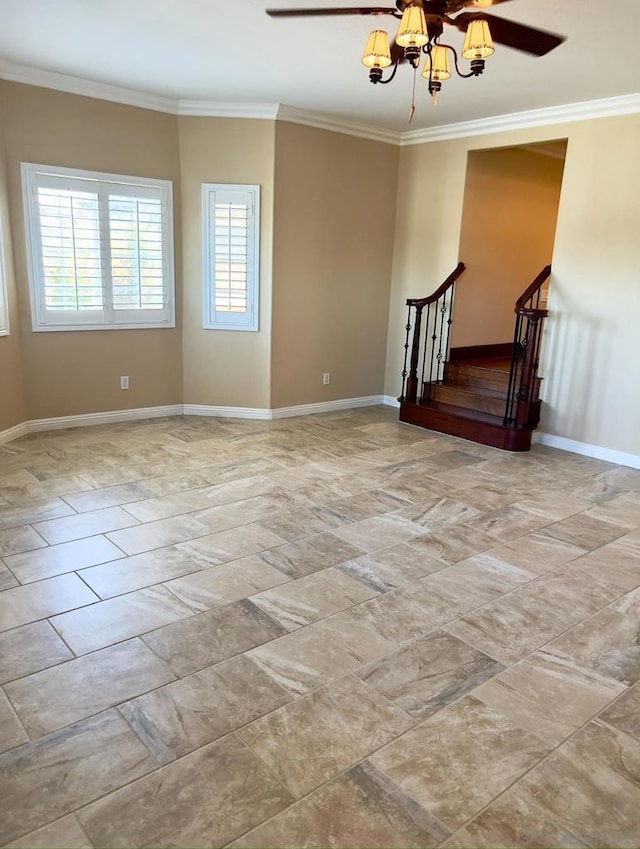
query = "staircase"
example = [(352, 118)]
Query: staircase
[(488, 394)]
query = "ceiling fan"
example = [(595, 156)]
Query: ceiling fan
[(421, 26)]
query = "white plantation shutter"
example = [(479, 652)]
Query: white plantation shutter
[(4, 306), (100, 249), (231, 217)]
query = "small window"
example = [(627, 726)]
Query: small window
[(4, 305), (100, 249), (231, 224)]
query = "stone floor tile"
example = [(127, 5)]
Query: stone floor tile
[(624, 713), (512, 822), (537, 553), (548, 695), (64, 694), (508, 523), (118, 619), (214, 549), (314, 597), (438, 514), (313, 739), (36, 511), (391, 568), (7, 578), (66, 557), (453, 544), (260, 508), (320, 551), (42, 781), (584, 531), (590, 786), (166, 506), (141, 538), (607, 643), (616, 565), (229, 792), (16, 540), (428, 673), (139, 571), (221, 585), (460, 759), (378, 532), (360, 808), (194, 711), (84, 525), (110, 496), (623, 510), (212, 637), (12, 733), (29, 649), (21, 605), (366, 504), (65, 833)]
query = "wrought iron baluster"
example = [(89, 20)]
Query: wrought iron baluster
[(443, 310), (406, 351)]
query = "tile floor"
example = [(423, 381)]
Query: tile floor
[(328, 631)]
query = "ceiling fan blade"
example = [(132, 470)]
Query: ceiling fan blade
[(481, 4), (519, 36), (312, 13)]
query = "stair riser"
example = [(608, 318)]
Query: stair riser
[(468, 400), (509, 439)]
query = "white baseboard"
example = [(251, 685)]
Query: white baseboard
[(226, 412), (598, 452), (390, 401), (326, 407), (257, 413), (88, 419), (14, 432)]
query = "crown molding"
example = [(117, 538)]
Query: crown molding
[(87, 88), (337, 125), (220, 109), (608, 107), (605, 108)]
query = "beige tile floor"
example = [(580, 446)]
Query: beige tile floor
[(328, 631)]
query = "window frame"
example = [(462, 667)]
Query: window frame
[(47, 321), (213, 320), (5, 327)]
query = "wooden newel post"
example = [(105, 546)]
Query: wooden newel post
[(529, 369), (412, 381)]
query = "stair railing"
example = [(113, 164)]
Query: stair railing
[(522, 407), (431, 345)]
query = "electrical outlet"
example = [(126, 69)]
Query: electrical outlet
[(326, 378), (124, 381)]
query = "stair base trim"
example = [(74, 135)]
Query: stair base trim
[(496, 436)]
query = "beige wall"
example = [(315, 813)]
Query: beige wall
[(225, 367), (509, 216), (333, 243), (12, 400), (69, 373), (592, 345)]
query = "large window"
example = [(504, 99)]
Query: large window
[(100, 249), (4, 306), (230, 216)]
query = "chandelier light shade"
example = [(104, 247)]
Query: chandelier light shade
[(412, 32), (377, 53), (478, 43), (436, 68)]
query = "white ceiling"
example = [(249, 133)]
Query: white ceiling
[(229, 50)]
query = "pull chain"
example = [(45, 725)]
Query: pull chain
[(412, 111)]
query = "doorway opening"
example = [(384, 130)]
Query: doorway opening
[(510, 211)]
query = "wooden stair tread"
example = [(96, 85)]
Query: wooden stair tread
[(499, 364)]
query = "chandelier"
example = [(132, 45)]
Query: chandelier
[(414, 38)]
